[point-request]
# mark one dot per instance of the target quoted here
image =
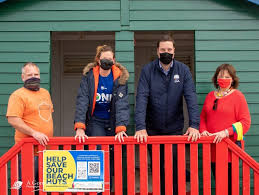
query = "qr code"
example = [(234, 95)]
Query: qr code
[(81, 170), (94, 168)]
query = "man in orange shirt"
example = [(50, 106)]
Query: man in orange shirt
[(30, 108), (30, 113)]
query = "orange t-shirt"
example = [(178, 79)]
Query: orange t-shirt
[(34, 108)]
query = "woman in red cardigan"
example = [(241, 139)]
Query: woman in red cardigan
[(225, 111)]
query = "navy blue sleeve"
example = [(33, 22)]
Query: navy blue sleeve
[(122, 106), (191, 100), (142, 100), (82, 101)]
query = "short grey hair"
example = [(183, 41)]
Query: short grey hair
[(29, 64)]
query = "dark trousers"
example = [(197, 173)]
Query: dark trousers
[(162, 168), (36, 176), (102, 127)]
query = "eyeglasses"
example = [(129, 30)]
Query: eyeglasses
[(215, 104)]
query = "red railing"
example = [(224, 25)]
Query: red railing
[(26, 149)]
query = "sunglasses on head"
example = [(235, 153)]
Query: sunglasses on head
[(215, 105)]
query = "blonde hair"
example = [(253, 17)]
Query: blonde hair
[(100, 50), (29, 64)]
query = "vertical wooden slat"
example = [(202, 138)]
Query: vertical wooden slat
[(206, 163), (40, 150), (80, 147), (246, 179), (256, 183), (156, 168), (194, 168), (14, 174), (118, 169), (235, 173), (143, 169), (3, 183), (221, 168), (168, 169), (67, 147), (55, 147), (92, 147), (131, 168), (27, 168), (106, 169), (181, 169)]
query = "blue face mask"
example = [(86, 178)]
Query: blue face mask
[(32, 84)]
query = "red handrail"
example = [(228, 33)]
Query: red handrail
[(25, 147)]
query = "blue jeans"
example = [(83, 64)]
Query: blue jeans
[(102, 127)]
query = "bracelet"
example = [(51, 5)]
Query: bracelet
[(227, 133)]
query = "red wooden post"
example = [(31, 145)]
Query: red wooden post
[(206, 162), (106, 169), (118, 169), (168, 169), (256, 183), (14, 174), (246, 179), (3, 183), (221, 168), (194, 169), (143, 169), (235, 173), (131, 168), (27, 169), (80, 147), (156, 168), (40, 150), (181, 169)]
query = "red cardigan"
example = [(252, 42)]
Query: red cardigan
[(230, 109)]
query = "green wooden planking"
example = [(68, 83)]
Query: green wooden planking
[(239, 65), (253, 130), (124, 46), (59, 15), (3, 121), (244, 87), (183, 5), (226, 35), (251, 98), (252, 150), (124, 56), (16, 78), (124, 12), (24, 57), (196, 15), (24, 46), (226, 45), (9, 88), (124, 36), (61, 26), (131, 77), (7, 131), (195, 25), (24, 36), (255, 119), (16, 67), (131, 87), (3, 100), (7, 141), (243, 76), (3, 107), (63, 5), (251, 140), (227, 55), (128, 64)]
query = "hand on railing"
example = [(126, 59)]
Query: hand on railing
[(193, 134), (120, 135), (141, 135), (80, 134), (206, 133), (220, 136), (41, 138)]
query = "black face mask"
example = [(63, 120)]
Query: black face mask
[(32, 84), (106, 64), (166, 58)]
